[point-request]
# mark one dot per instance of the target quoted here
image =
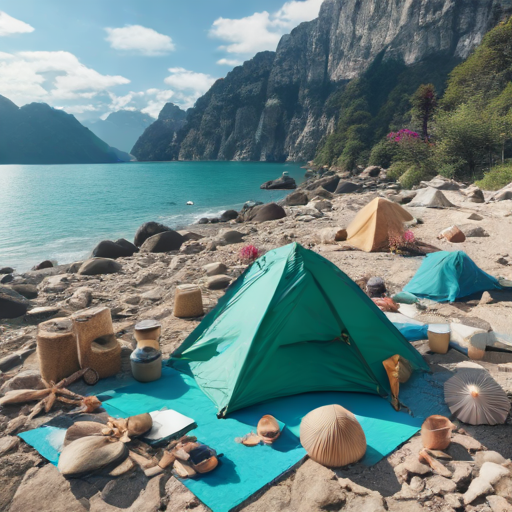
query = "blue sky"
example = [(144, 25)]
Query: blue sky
[(91, 58)]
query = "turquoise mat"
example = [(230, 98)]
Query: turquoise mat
[(243, 470), (46, 440)]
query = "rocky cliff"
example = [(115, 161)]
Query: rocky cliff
[(39, 134), (278, 106)]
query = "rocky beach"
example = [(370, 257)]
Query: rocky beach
[(476, 477)]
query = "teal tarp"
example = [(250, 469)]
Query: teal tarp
[(292, 323), (448, 276)]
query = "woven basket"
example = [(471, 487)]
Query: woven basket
[(188, 301), (98, 347), (57, 350)]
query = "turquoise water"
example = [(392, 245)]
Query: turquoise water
[(60, 212)]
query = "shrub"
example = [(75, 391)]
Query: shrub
[(383, 153), (248, 254), (496, 178), (414, 175)]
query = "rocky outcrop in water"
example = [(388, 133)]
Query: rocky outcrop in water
[(278, 106)]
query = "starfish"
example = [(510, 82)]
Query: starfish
[(50, 394)]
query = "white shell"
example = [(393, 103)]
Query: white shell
[(474, 397), (332, 436)]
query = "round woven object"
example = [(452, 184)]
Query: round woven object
[(188, 301), (332, 436), (474, 397)]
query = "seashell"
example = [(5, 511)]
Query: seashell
[(82, 429), (183, 470), (436, 432), (90, 404), (138, 425), (19, 396), (251, 440), (474, 397), (207, 465), (332, 436), (268, 429), (90, 454)]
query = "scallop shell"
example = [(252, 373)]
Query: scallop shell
[(474, 397), (138, 425), (82, 429), (332, 436), (90, 454)]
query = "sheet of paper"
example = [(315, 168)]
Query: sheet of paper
[(167, 423)]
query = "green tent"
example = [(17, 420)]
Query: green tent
[(292, 323)]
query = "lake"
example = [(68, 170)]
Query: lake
[(60, 212)]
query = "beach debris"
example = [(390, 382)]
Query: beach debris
[(50, 394), (376, 287), (203, 459), (190, 203), (426, 457), (82, 429), (268, 429), (386, 304), (436, 432), (399, 371), (126, 428), (332, 436), (453, 234), (474, 397), (89, 454), (250, 439)]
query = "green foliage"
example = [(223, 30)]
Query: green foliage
[(498, 177), (398, 169), (414, 175), (383, 153)]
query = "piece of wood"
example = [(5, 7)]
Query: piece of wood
[(436, 466)]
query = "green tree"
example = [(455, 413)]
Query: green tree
[(424, 104)]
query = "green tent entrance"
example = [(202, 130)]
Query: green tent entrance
[(292, 323)]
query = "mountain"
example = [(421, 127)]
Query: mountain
[(158, 142), (280, 105), (121, 129), (39, 134)]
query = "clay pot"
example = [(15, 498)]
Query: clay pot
[(268, 429), (436, 432)]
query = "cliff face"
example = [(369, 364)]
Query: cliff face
[(39, 134), (158, 142), (276, 106)]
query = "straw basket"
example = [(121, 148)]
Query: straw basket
[(188, 301), (98, 347), (57, 350)]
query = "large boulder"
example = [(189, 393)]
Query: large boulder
[(228, 237), (347, 187), (29, 291), (503, 194), (228, 215), (282, 183), (119, 249), (265, 212), (474, 194), (165, 241), (328, 183), (147, 230), (44, 264), (297, 198), (320, 192), (97, 266), (6, 270), (441, 183), (12, 304), (371, 172)]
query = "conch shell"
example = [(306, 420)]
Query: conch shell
[(125, 429), (268, 429), (82, 429), (90, 454)]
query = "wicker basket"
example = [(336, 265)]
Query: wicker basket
[(188, 301)]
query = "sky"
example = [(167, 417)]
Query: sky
[(99, 56)]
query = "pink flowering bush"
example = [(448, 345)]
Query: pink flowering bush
[(398, 244), (248, 254), (403, 135)]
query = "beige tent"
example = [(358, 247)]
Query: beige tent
[(373, 225), (430, 198)]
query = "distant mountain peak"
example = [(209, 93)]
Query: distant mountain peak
[(172, 112)]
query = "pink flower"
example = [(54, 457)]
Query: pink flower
[(409, 237), (248, 253)]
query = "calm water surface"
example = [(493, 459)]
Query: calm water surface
[(60, 212)]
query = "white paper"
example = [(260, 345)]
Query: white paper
[(167, 423)]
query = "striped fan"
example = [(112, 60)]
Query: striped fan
[(332, 436), (474, 397)]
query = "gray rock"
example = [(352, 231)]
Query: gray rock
[(190, 235), (322, 205), (6, 278), (203, 220), (478, 487), (228, 215), (216, 268), (6, 270), (154, 294), (228, 237), (440, 485), (504, 488), (192, 247), (492, 472), (475, 216), (473, 231), (371, 172), (97, 266), (297, 198), (347, 187), (43, 265), (147, 230), (474, 194), (488, 456), (320, 192), (462, 473), (8, 443), (119, 249), (29, 291), (470, 443), (282, 183), (28, 379), (123, 491), (218, 282), (411, 466), (81, 298), (265, 212), (499, 504), (165, 241), (12, 304), (328, 183), (43, 313), (55, 284)]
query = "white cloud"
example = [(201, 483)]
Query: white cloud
[(10, 25), (137, 38), (51, 77), (262, 30), (157, 101), (78, 109), (188, 86), (229, 62)]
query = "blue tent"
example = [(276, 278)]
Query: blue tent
[(448, 276)]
